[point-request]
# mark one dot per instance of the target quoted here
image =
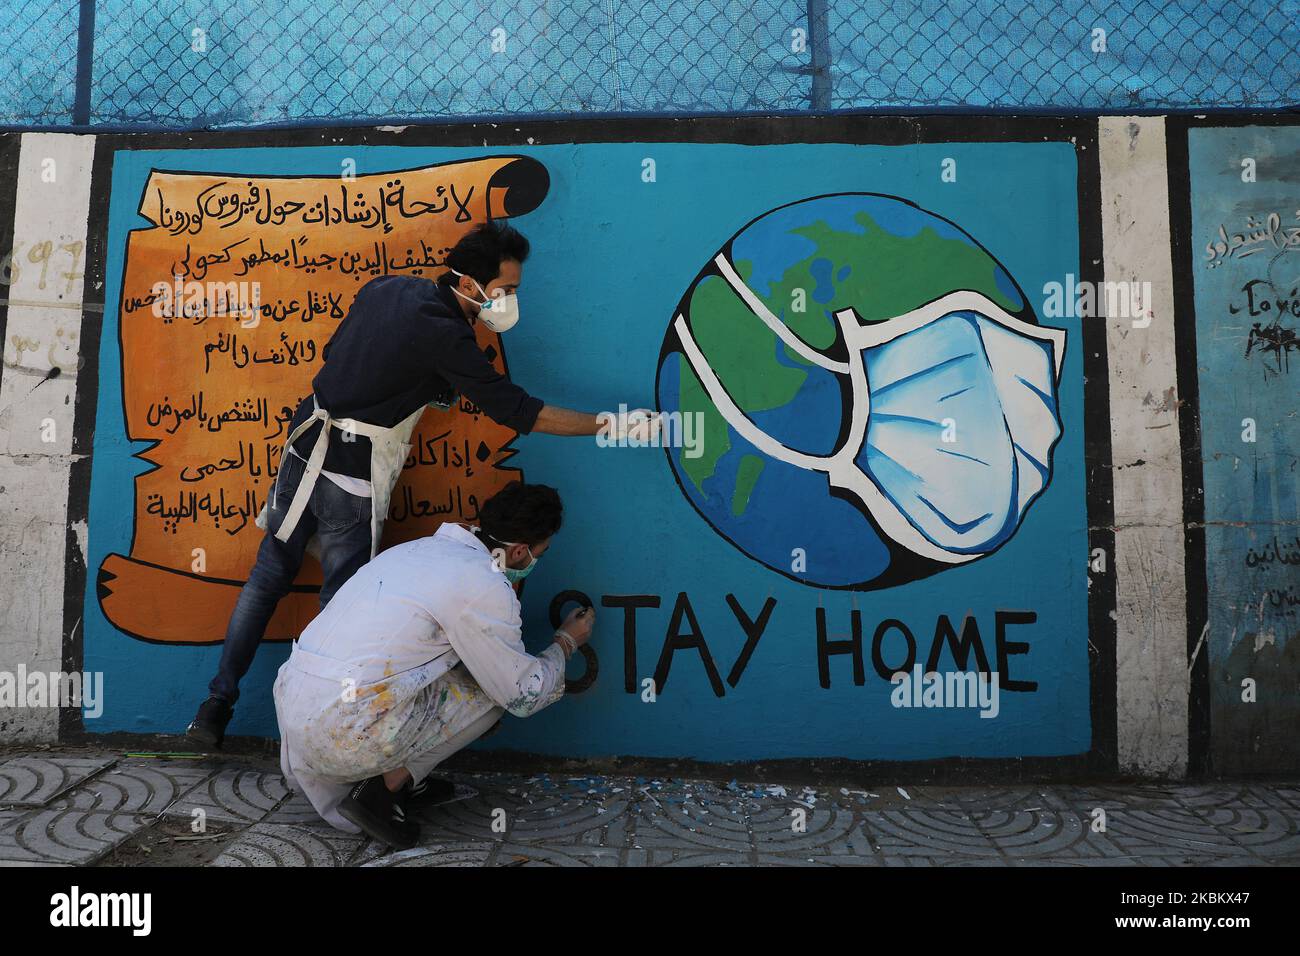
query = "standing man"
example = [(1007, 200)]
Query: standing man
[(405, 343), (418, 655)]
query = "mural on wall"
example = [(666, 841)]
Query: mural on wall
[(1246, 275), (227, 300), (877, 398), (888, 473)]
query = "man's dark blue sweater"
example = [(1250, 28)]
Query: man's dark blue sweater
[(403, 344)]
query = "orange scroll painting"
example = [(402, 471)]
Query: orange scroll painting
[(227, 301)]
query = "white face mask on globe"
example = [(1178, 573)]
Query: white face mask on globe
[(961, 358), (498, 314)]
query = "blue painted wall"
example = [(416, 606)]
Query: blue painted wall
[(1246, 272)]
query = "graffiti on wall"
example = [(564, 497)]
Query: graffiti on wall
[(887, 473), (1269, 296), (228, 299), (1246, 274)]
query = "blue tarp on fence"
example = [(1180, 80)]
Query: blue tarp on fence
[(184, 64)]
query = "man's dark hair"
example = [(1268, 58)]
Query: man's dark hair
[(480, 252), (520, 513)]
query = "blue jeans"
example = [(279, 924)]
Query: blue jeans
[(341, 521)]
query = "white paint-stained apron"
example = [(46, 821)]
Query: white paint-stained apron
[(388, 450), (341, 722)]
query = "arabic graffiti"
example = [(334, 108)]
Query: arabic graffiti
[(227, 302), (60, 352), (1274, 552), (60, 349), (42, 252), (1284, 598), (1256, 238)]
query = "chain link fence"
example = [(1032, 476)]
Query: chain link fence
[(189, 64)]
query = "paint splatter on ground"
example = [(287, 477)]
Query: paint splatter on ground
[(97, 807)]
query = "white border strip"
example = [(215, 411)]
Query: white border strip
[(1149, 561)]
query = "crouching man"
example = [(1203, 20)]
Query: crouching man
[(417, 655)]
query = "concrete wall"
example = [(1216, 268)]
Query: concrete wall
[(1055, 524)]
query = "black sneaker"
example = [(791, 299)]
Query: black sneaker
[(209, 724), (429, 792), (380, 813)]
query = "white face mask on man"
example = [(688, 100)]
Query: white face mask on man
[(498, 314)]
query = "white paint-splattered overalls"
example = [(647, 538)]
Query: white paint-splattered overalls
[(373, 683)]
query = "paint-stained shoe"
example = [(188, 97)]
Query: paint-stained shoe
[(209, 725), (380, 813), (429, 792)]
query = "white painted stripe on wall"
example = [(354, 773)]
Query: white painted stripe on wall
[(43, 330), (1149, 559)]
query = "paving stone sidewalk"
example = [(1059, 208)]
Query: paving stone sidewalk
[(109, 809)]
